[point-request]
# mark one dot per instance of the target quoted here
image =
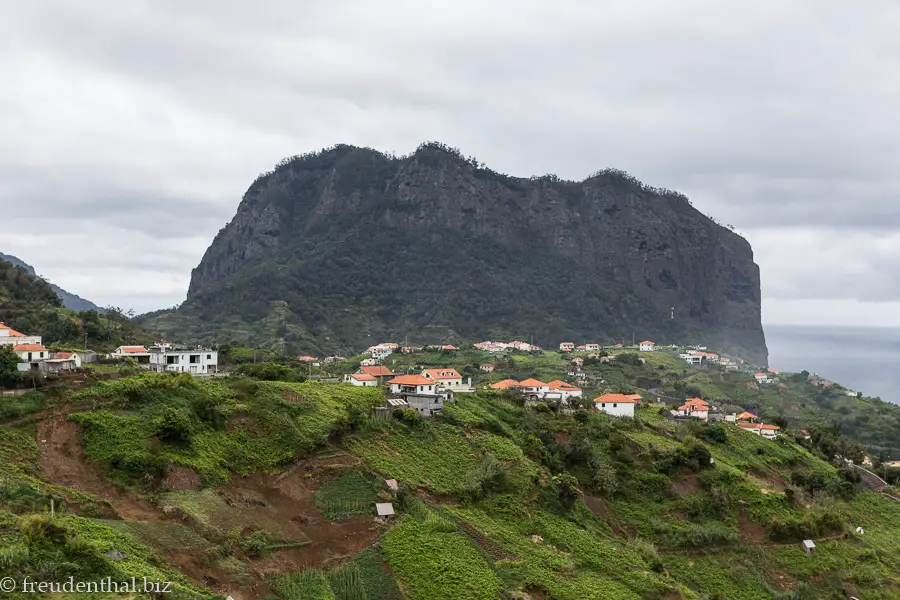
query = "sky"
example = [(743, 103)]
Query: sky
[(130, 130)]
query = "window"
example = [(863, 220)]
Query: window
[(603, 405), (209, 357), (194, 359), (615, 405)]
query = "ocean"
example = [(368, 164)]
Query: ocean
[(862, 358)]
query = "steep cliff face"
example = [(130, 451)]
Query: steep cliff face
[(340, 249)]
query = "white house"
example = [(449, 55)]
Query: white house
[(617, 405), (696, 408), (567, 390), (762, 377), (11, 337), (448, 379), (368, 362), (137, 353), (647, 346), (566, 346), (770, 432), (487, 367), (196, 361), (75, 356), (380, 352), (31, 352), (592, 347), (361, 380), (412, 384)]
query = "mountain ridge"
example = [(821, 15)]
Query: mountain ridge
[(69, 300), (348, 244)]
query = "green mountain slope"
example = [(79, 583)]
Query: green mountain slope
[(69, 300), (340, 246), (255, 488), (29, 304)]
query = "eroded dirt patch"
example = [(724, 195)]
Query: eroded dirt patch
[(687, 485), (750, 531), (62, 461)]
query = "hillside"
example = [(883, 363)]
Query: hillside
[(333, 249), (265, 489), (29, 304), (69, 300)]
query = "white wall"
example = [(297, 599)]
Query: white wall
[(617, 409)]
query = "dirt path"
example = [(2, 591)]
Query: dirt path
[(63, 462)]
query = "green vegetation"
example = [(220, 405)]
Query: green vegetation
[(495, 499)]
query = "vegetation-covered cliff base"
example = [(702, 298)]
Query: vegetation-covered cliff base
[(267, 488)]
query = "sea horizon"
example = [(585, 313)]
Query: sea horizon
[(861, 358)]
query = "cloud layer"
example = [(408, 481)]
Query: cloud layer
[(129, 130)]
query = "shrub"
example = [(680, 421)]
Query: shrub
[(174, 426), (567, 488), (256, 544)]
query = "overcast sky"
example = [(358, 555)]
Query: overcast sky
[(130, 130)]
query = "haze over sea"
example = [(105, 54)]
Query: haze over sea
[(862, 358)]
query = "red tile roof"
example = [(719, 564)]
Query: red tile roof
[(648, 342), (377, 371), (307, 358), (362, 377), (615, 398), (411, 380), (532, 383), (63, 354), (443, 374), (746, 415), (562, 385), (12, 332), (29, 348), (133, 349), (505, 384)]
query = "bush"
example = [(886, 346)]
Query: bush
[(256, 544), (174, 426), (567, 488), (811, 525)]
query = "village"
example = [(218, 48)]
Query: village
[(429, 390)]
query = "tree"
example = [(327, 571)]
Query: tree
[(9, 371)]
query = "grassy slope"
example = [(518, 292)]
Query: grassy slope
[(657, 520)]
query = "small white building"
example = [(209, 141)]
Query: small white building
[(138, 354), (487, 367), (380, 352), (11, 337), (769, 432), (74, 356), (448, 379), (196, 361), (617, 405), (412, 384), (566, 346), (592, 347), (762, 377), (31, 352), (647, 346), (567, 390), (361, 380)]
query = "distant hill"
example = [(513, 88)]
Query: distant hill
[(69, 300), (335, 250), (30, 305)]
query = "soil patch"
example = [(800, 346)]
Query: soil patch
[(602, 510), (750, 531), (687, 485), (62, 461), (772, 482), (180, 479)]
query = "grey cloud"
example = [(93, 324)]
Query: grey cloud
[(771, 116)]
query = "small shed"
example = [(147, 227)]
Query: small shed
[(392, 484), (385, 511), (809, 546)]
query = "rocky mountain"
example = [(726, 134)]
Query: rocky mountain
[(69, 300), (336, 250)]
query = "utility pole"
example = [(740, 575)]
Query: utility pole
[(85, 340), (632, 338)]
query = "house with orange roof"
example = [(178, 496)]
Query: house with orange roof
[(506, 384), (770, 432), (592, 347), (449, 379), (307, 358), (567, 390), (420, 393), (31, 352), (566, 346), (647, 346), (139, 354), (487, 367), (696, 408), (617, 405), (763, 377), (746, 416), (11, 337), (361, 380), (412, 384)]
